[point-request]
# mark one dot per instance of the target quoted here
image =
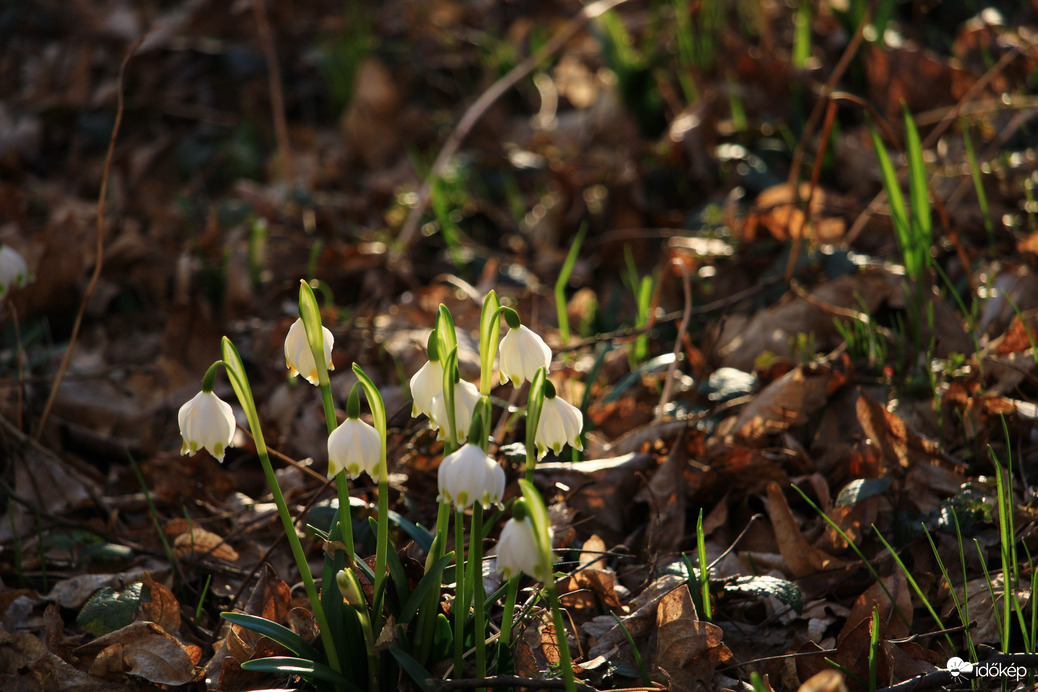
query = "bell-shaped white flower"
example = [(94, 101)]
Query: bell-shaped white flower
[(523, 351), (425, 385), (354, 447), (298, 356), (517, 550), (466, 396), (560, 424), (468, 476), (13, 270), (206, 421)]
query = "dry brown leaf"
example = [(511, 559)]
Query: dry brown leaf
[(801, 557), (786, 402), (892, 624), (901, 446), (203, 543), (778, 212), (159, 605), (142, 649), (826, 681), (27, 666), (687, 649), (665, 495)]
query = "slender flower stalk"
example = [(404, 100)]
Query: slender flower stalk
[(534, 403), (538, 515), (378, 414), (240, 384)]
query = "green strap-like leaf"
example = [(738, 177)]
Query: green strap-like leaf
[(415, 670), (430, 581), (287, 665), (278, 633)]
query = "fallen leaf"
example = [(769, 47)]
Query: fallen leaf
[(687, 649), (142, 649)]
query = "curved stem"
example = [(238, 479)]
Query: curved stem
[(504, 640), (240, 384)]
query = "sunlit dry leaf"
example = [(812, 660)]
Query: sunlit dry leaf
[(688, 649), (786, 402), (900, 445), (159, 605), (779, 212), (826, 681), (142, 649), (203, 543), (26, 664)]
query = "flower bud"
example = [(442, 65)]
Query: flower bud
[(13, 270)]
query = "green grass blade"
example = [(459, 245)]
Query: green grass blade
[(286, 665), (560, 284), (898, 212), (921, 226)]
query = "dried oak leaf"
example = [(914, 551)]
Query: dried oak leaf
[(687, 649), (141, 649)]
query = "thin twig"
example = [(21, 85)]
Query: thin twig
[(99, 261), (686, 283), (277, 100), (487, 99)]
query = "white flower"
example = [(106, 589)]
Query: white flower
[(354, 447), (466, 396), (13, 270), (517, 550), (426, 384), (560, 424), (206, 421), (298, 356), (523, 351), (468, 476)]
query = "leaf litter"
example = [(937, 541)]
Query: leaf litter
[(796, 366)]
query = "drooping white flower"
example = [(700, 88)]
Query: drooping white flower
[(298, 356), (206, 421), (560, 424), (13, 270), (354, 447), (426, 384), (523, 351), (466, 396), (517, 550), (468, 476)]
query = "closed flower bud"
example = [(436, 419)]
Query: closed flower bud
[(522, 353), (466, 396), (517, 550), (350, 588), (13, 270), (206, 421), (425, 385), (354, 447), (560, 424), (468, 476), (298, 356)]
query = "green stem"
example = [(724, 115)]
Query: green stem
[(427, 618), (504, 640), (345, 516), (476, 587), (560, 636), (297, 552), (240, 384), (382, 535), (460, 606)]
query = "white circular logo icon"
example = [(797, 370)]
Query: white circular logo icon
[(956, 666)]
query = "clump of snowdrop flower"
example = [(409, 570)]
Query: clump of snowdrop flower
[(299, 358), (206, 421), (13, 270), (523, 351), (560, 424), (468, 476)]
